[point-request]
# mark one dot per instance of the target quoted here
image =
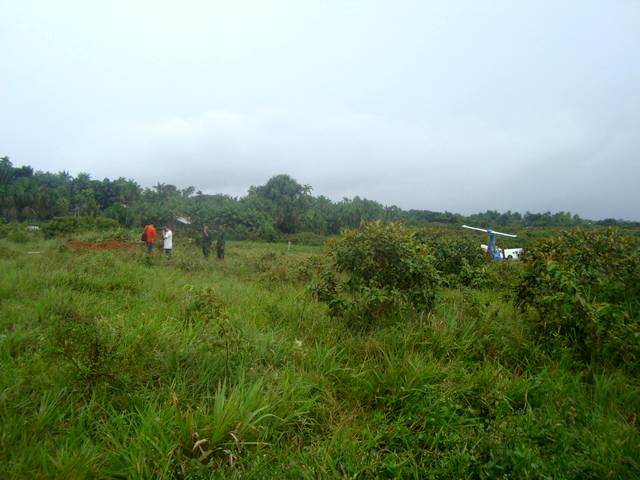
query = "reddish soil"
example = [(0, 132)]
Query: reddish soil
[(107, 245)]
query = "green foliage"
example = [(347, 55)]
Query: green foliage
[(368, 306), (281, 206), (8, 251), (244, 220), (123, 365), (87, 345), (385, 267), (458, 258), (586, 287), (501, 276), (65, 226), (278, 267), (102, 223), (18, 233), (204, 305), (305, 238), (312, 266), (384, 255), (323, 286), (285, 200)]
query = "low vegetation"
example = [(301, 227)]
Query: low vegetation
[(389, 353)]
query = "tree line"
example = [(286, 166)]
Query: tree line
[(280, 206)]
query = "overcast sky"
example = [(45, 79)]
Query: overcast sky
[(441, 105)]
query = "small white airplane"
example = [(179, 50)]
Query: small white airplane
[(495, 252)]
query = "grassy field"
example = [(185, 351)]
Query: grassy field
[(118, 365)]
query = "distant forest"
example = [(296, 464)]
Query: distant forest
[(280, 206)]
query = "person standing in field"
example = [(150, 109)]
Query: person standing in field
[(220, 243), (206, 241), (167, 235), (149, 236)]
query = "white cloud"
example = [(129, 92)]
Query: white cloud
[(454, 164), (423, 104)]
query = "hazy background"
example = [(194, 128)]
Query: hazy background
[(458, 105)]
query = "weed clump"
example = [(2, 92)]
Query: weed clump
[(283, 268), (205, 306), (87, 346)]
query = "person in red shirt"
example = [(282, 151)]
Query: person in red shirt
[(149, 236)]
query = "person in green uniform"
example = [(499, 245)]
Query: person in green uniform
[(206, 241), (220, 243)]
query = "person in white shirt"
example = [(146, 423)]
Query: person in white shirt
[(167, 235)]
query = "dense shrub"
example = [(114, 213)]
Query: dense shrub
[(323, 285), (586, 287), (103, 223), (458, 258), (502, 276), (383, 267), (62, 226), (260, 231), (19, 233), (384, 255)]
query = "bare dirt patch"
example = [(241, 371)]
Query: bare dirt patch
[(106, 245)]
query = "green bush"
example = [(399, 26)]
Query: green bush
[(368, 305), (586, 287), (502, 276), (384, 267), (103, 223), (63, 226), (384, 255), (18, 233), (459, 259)]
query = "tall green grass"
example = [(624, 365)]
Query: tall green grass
[(106, 372)]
